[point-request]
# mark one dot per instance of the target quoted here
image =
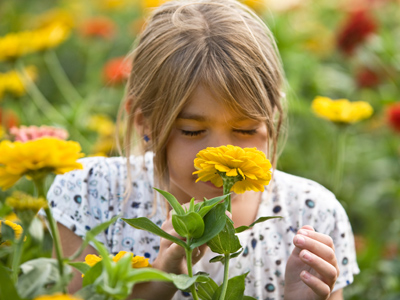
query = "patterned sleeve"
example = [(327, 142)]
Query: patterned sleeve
[(80, 199), (343, 240)]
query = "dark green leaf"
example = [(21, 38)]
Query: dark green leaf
[(94, 231), (248, 298), (236, 254), (235, 290), (7, 233), (259, 220), (172, 200), (7, 288), (226, 241), (146, 224), (80, 266), (190, 225), (206, 290), (217, 259), (214, 222), (148, 274), (207, 205)]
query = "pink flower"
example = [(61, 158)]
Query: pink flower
[(24, 133)]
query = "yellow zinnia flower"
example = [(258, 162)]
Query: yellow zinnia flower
[(17, 228), (57, 297), (92, 259), (36, 157), (137, 261), (248, 165), (12, 81), (22, 201), (341, 110)]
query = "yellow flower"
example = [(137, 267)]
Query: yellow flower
[(57, 297), (92, 259), (341, 110), (17, 228), (102, 124), (137, 261), (12, 81), (248, 165), (37, 157), (21, 201), (14, 45)]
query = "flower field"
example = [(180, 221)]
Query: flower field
[(63, 64)]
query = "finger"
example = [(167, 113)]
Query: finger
[(317, 285), (323, 238), (318, 248), (328, 272), (199, 252)]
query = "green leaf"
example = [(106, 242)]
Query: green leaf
[(235, 290), (94, 232), (183, 281), (248, 298), (41, 276), (226, 241), (36, 230), (190, 225), (236, 254), (207, 205), (89, 292), (7, 233), (148, 274), (92, 274), (217, 259), (214, 222), (80, 266), (206, 290), (146, 224), (259, 220), (191, 207), (7, 288), (172, 200)]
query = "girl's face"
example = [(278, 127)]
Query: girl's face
[(206, 122)]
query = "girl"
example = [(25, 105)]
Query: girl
[(205, 74)]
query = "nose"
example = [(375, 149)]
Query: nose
[(220, 139)]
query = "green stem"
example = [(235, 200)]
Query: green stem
[(227, 190), (17, 257), (46, 107), (61, 79), (226, 272), (190, 272), (39, 183), (341, 149)]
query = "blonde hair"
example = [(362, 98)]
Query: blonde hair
[(221, 45)]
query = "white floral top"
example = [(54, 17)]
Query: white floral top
[(82, 199)]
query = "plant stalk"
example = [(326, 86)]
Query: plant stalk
[(17, 256), (190, 272), (225, 283)]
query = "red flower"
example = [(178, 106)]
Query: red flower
[(8, 119), (393, 116), (116, 70), (98, 27), (366, 78), (356, 29)]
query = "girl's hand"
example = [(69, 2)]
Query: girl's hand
[(312, 268)]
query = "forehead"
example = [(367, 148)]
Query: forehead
[(204, 105)]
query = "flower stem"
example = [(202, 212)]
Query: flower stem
[(341, 149), (17, 256), (190, 272), (39, 183), (226, 271), (227, 189), (61, 79)]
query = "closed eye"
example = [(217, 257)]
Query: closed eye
[(192, 133), (246, 132)]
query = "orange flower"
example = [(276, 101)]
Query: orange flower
[(393, 116), (116, 70), (102, 27)]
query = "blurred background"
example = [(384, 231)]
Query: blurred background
[(62, 64)]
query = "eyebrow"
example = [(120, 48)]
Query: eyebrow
[(200, 118)]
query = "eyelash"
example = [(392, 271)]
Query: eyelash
[(196, 133)]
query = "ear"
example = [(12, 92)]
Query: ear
[(141, 123)]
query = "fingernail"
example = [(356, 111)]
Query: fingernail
[(306, 256), (305, 275), (299, 240), (303, 232)]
